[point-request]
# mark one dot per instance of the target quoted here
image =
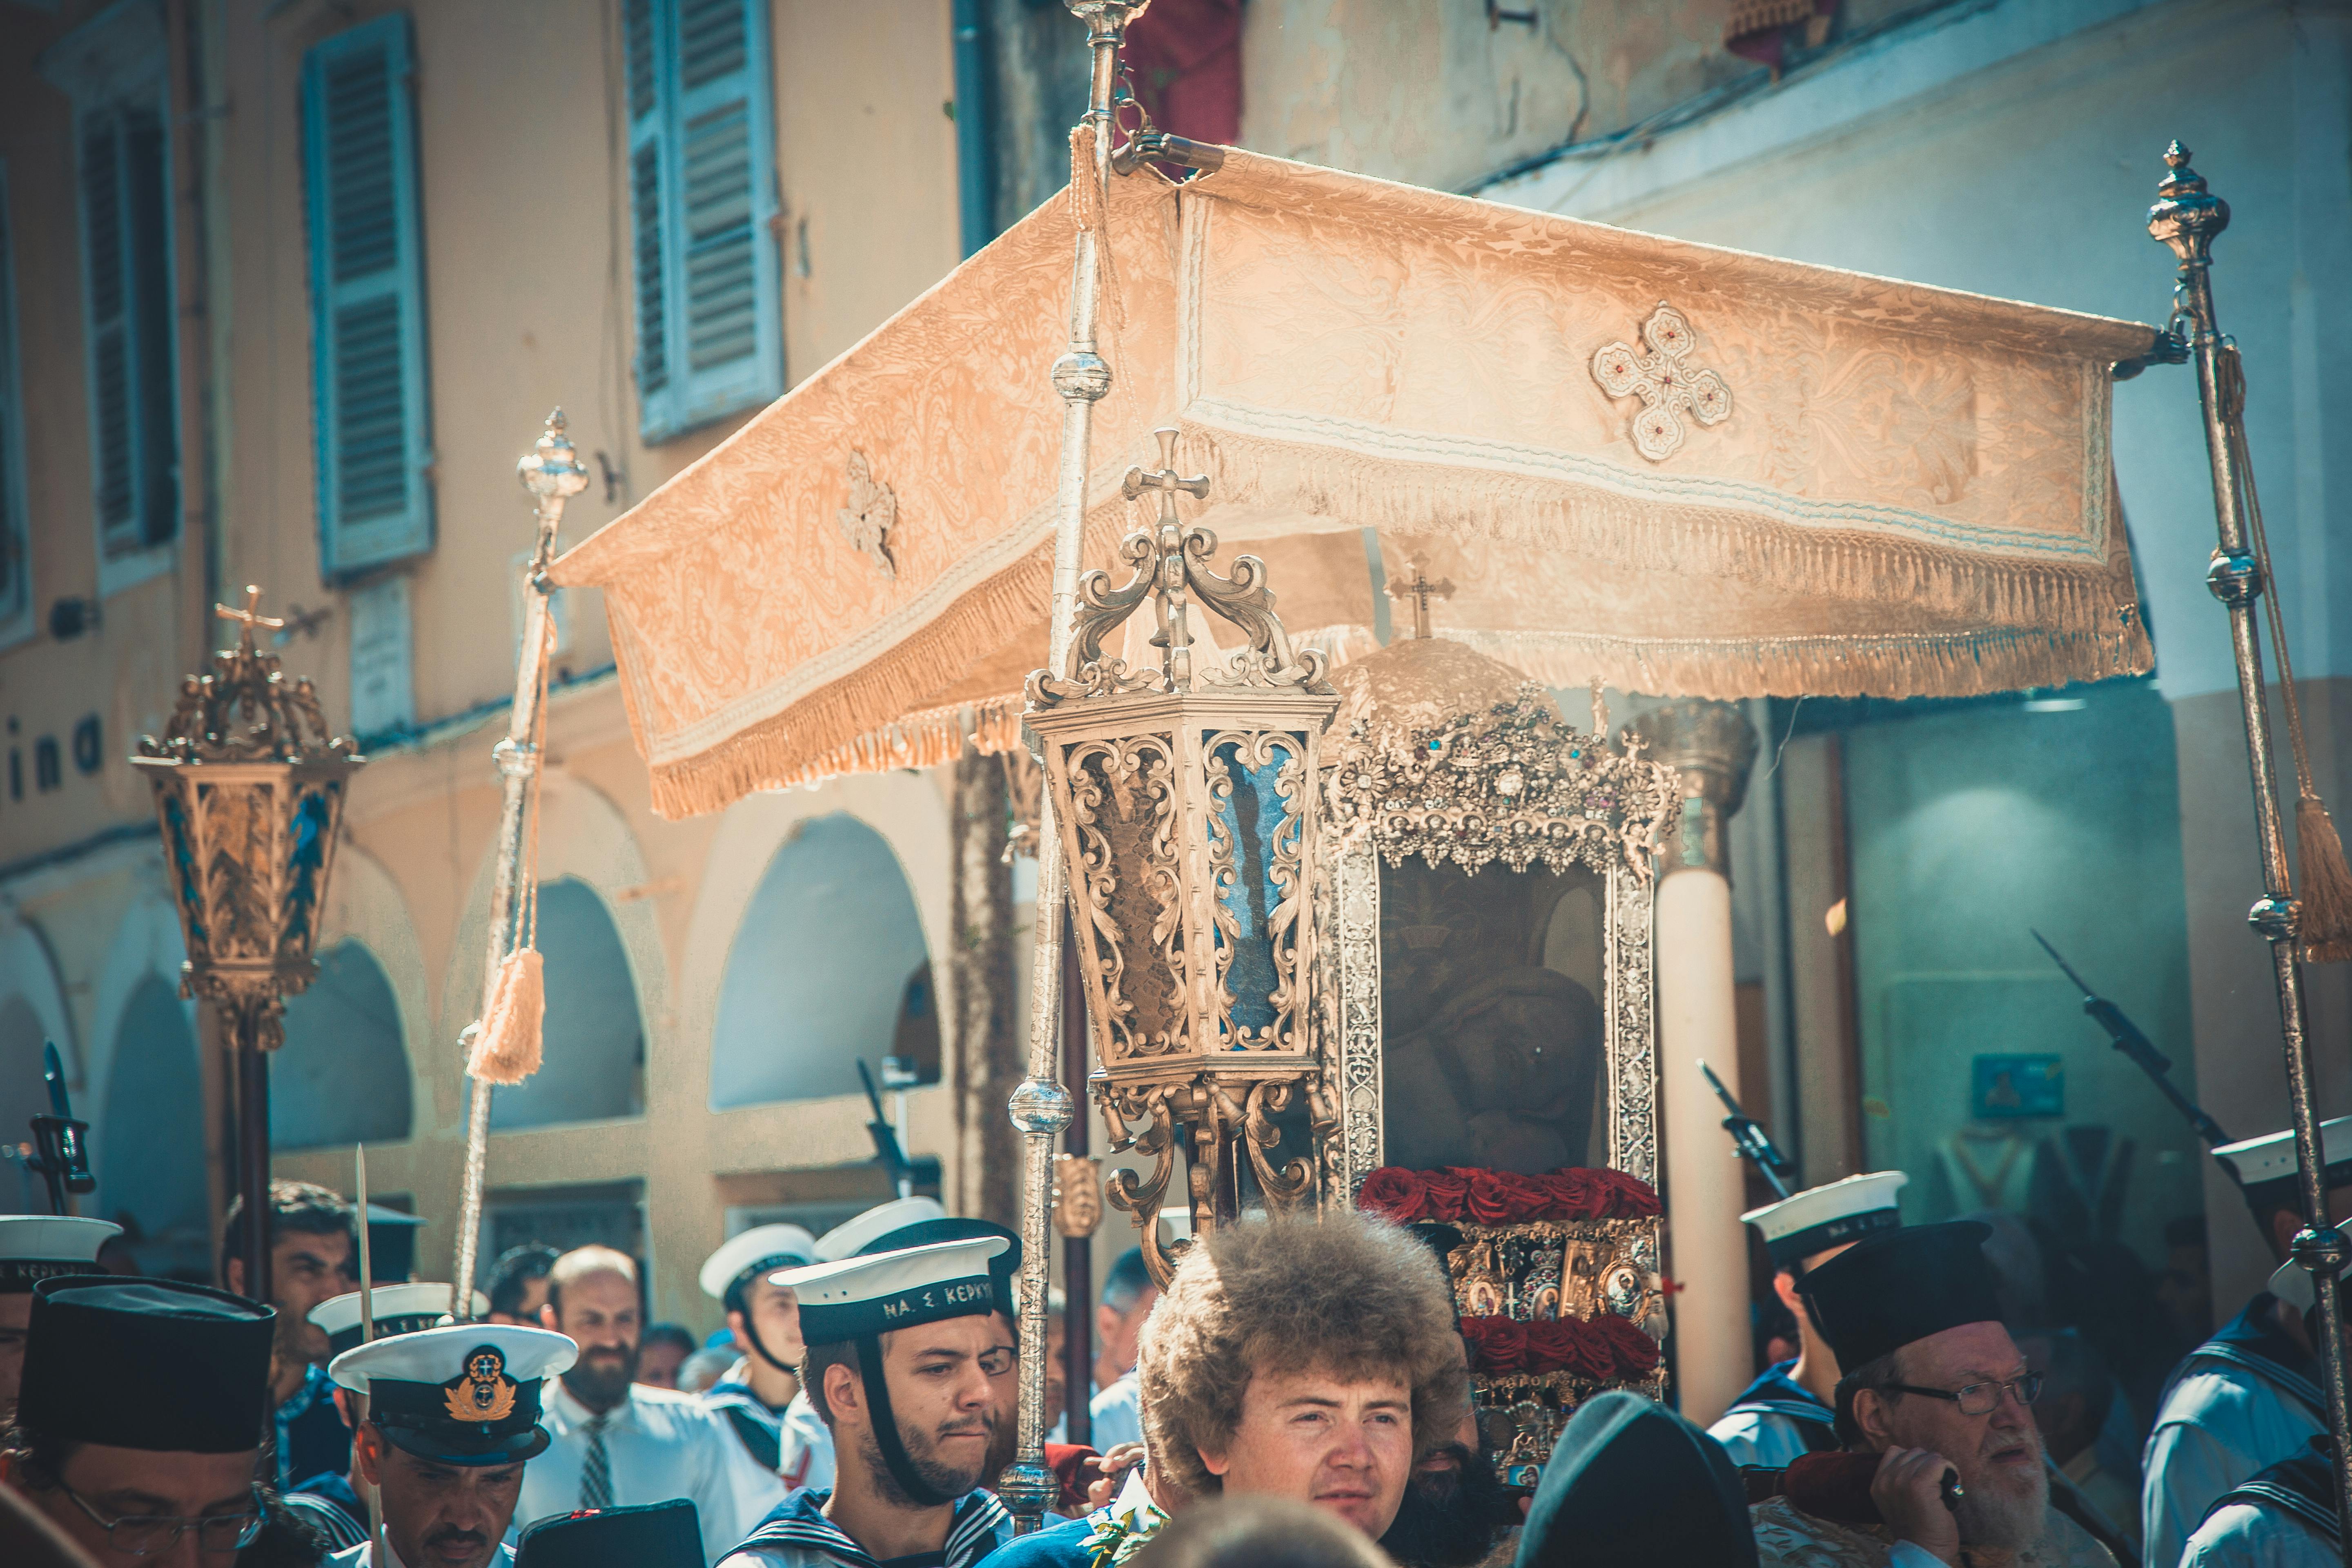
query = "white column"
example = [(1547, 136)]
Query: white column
[(1712, 747), (1705, 1189)]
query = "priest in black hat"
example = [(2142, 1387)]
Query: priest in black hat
[(139, 1425), (905, 1351), (1933, 1385)]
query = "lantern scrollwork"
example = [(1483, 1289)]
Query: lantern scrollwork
[(1188, 803)]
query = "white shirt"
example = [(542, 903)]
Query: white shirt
[(2244, 1535), (363, 1556), (804, 1449), (660, 1444), (2218, 1425), (1117, 1414)]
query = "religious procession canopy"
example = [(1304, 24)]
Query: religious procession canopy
[(1670, 467)]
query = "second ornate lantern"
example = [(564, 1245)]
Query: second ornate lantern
[(1187, 800)]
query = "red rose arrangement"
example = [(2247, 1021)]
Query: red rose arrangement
[(1603, 1350), (1458, 1196)]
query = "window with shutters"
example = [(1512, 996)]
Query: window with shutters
[(703, 208), (367, 299), (15, 536), (114, 69)]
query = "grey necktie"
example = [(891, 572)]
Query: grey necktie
[(596, 1473)]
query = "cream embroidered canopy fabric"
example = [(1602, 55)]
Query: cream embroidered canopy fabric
[(1678, 468)]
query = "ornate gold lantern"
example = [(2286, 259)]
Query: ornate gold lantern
[(1187, 802), (249, 791)]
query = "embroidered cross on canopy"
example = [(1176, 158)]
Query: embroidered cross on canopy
[(1906, 491)]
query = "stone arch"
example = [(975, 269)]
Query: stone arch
[(906, 810), (584, 841), (151, 1150), (343, 1075), (820, 969), (32, 1014)]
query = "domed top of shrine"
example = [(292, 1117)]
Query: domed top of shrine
[(1419, 683)]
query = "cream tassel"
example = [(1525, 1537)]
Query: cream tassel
[(506, 1050)]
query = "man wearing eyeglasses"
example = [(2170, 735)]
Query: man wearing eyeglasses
[(1940, 1393), (138, 1425)]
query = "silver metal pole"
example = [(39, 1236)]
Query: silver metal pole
[(552, 472), (2186, 218), (1041, 1107)]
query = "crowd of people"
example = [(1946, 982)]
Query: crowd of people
[(1299, 1394)]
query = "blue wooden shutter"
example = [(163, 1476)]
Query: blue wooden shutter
[(367, 299), (107, 312), (703, 204)]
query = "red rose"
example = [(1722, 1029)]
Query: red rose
[(1442, 1193), (1489, 1198), (1568, 1193), (1496, 1344), (1632, 1349), (1528, 1198), (1616, 1195), (1396, 1191), (1552, 1347), (1640, 1198)]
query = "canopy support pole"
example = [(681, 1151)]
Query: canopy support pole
[(2186, 218), (1041, 1107), (552, 473)]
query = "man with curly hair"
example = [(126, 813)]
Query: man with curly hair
[(1314, 1360)]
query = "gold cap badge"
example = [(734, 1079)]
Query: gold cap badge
[(483, 1392)]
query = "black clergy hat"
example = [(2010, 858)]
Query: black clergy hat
[(1900, 1286), (656, 1535), (1629, 1481), (151, 1364)]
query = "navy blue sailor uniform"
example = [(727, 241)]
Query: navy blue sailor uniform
[(2250, 1396), (854, 1302), (2284, 1517), (727, 1277), (1777, 1420)]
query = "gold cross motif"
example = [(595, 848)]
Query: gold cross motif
[(1421, 590), (1174, 637), (1665, 379), (250, 618)]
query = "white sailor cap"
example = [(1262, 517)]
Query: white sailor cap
[(761, 1249), (851, 1236), (465, 1395), (37, 1246), (1831, 1216), (2264, 1167), (872, 1295), (398, 1309)]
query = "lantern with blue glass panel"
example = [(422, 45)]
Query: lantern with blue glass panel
[(1187, 798)]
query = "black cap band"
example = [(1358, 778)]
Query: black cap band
[(479, 1417), (413, 1322), (19, 1275)]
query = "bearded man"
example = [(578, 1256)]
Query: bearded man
[(618, 1443), (1935, 1385), (906, 1349)]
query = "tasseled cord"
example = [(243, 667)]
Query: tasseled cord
[(506, 1049), (2326, 932)]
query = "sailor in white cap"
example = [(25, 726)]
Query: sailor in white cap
[(452, 1418), (752, 1395), (2250, 1396), (330, 1502), (2284, 1515), (805, 1443), (904, 1351), (1786, 1413), (34, 1248)]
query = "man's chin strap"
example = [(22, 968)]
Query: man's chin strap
[(885, 1428), (751, 1332)]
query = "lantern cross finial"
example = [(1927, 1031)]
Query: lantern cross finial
[(250, 618), (1421, 590), (1174, 638)]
